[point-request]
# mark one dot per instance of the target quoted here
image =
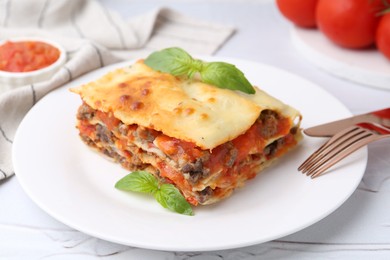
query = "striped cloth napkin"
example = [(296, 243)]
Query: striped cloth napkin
[(93, 37)]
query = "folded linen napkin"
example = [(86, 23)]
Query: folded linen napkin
[(93, 37)]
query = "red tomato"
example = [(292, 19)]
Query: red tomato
[(349, 23), (383, 35), (300, 12)]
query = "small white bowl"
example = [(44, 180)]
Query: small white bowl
[(11, 80)]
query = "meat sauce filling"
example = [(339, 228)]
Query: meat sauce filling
[(233, 161)]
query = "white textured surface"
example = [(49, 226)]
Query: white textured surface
[(359, 229)]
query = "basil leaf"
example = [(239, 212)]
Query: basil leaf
[(225, 75), (178, 62), (170, 198), (175, 61), (167, 194), (139, 181)]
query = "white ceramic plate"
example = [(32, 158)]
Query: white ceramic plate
[(368, 67), (76, 185)]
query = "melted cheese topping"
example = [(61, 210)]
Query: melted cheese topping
[(181, 108)]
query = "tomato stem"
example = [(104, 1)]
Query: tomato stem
[(386, 10)]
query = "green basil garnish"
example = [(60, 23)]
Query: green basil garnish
[(178, 62), (166, 194)]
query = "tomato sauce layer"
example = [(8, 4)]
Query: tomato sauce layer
[(231, 160)]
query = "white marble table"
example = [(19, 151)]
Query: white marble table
[(359, 229)]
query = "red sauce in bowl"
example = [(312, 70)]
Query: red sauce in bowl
[(27, 56)]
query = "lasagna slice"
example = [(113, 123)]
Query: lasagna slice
[(205, 140)]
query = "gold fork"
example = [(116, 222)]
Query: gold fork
[(341, 145)]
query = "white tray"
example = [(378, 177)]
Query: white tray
[(368, 67)]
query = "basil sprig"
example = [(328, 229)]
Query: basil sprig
[(178, 62), (166, 194)]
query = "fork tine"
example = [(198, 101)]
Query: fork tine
[(326, 147), (344, 153), (312, 156), (336, 147), (319, 150), (340, 146)]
